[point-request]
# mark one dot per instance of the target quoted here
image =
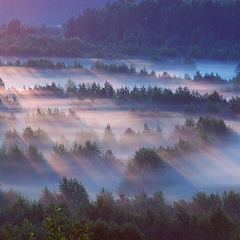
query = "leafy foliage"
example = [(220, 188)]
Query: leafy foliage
[(205, 216)]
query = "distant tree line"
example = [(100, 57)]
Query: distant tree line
[(42, 64), (20, 40), (191, 102), (155, 28), (122, 68)]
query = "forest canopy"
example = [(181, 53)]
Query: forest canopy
[(154, 28)]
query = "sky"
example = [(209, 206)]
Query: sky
[(53, 12)]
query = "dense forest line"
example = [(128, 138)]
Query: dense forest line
[(70, 214), (190, 102), (42, 64), (181, 99), (27, 40), (197, 29), (154, 28)]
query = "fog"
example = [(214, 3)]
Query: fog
[(63, 121), (178, 68), (20, 77)]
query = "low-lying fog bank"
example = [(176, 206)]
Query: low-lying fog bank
[(115, 135), (20, 78), (226, 70), (62, 141)]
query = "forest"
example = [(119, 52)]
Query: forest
[(120, 120), (157, 29), (70, 214), (187, 101)]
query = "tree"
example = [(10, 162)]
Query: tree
[(108, 137), (73, 193), (58, 227), (109, 90), (146, 129), (130, 231), (220, 224), (146, 159), (14, 27), (2, 84), (104, 207), (48, 199)]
